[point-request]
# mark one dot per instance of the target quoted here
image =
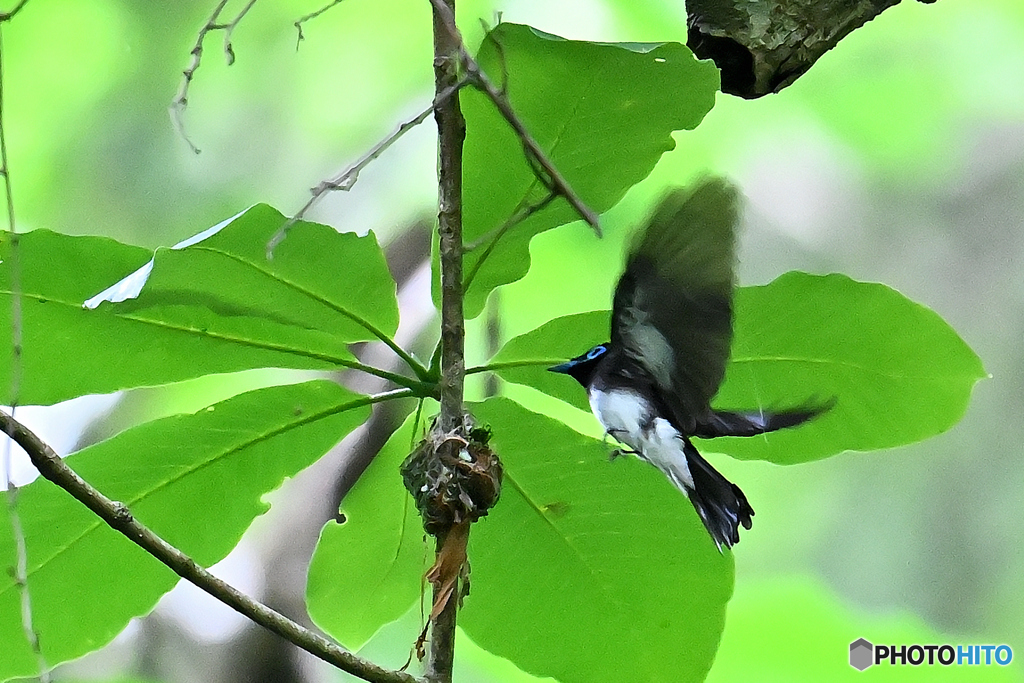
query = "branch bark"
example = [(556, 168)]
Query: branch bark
[(763, 46), (451, 129), (545, 170), (212, 24)]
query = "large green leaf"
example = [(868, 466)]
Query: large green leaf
[(67, 351), (603, 113), (197, 480), (898, 372), (589, 570), (215, 305), (579, 551), (364, 571), (525, 359)]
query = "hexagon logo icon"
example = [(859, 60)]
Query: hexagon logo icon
[(862, 654)]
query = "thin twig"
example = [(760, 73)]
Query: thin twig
[(310, 16), (229, 29), (120, 518), (492, 237), (517, 217), (7, 16), (344, 182), (20, 569), (550, 177), (492, 383), (212, 24), (347, 178)]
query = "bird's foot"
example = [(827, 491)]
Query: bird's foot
[(617, 452)]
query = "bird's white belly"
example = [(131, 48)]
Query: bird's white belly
[(627, 417)]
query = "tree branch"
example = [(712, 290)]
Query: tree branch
[(7, 16), (551, 177), (451, 129), (347, 178), (763, 46), (120, 518), (491, 238), (212, 24), (312, 15)]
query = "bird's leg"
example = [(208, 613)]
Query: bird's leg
[(618, 452)]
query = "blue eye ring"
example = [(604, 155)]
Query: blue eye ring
[(596, 351)]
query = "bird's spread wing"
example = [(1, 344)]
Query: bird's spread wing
[(672, 312)]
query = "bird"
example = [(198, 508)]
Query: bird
[(652, 384)]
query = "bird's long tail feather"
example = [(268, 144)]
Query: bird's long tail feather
[(721, 505)]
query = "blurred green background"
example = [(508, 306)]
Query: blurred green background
[(898, 158)]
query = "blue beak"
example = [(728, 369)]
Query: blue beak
[(563, 367)]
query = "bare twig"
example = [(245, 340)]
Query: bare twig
[(20, 569), (491, 238), (120, 518), (212, 24), (550, 177), (493, 337), (7, 16), (518, 216), (347, 178), (310, 16), (344, 182)]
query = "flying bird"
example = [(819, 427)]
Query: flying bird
[(651, 386)]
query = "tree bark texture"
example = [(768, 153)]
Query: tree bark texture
[(763, 46)]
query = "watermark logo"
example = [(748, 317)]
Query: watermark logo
[(863, 655)]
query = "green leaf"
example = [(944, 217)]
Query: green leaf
[(525, 359), (67, 351), (587, 569), (197, 480), (214, 306), (364, 571), (578, 551), (899, 372), (604, 115)]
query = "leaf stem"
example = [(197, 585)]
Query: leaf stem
[(525, 363)]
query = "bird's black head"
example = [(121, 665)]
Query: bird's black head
[(582, 368)]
